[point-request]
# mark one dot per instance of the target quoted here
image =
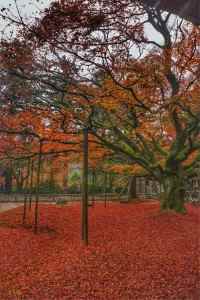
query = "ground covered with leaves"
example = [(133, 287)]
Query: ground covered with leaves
[(135, 252)]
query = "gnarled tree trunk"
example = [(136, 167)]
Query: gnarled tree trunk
[(172, 195), (132, 188)]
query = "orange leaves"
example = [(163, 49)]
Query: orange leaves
[(126, 169), (111, 96), (191, 158), (148, 130), (58, 147)]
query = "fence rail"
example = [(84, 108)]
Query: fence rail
[(18, 197), (190, 196)]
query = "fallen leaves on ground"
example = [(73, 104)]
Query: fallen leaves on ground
[(135, 252)]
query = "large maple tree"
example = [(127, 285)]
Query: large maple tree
[(137, 95)]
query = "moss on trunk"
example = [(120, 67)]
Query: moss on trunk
[(172, 196)]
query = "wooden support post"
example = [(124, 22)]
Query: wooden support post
[(105, 189), (85, 188), (26, 191), (93, 186), (38, 187), (31, 184)]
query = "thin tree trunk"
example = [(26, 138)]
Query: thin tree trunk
[(38, 187), (85, 188)]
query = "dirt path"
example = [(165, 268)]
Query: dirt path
[(7, 206)]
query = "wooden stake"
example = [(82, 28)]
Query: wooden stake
[(38, 187), (26, 191), (105, 189), (93, 186), (31, 184), (85, 188)]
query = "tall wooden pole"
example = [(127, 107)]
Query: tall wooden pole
[(38, 187), (85, 188), (93, 186), (26, 191), (105, 189), (31, 184)]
